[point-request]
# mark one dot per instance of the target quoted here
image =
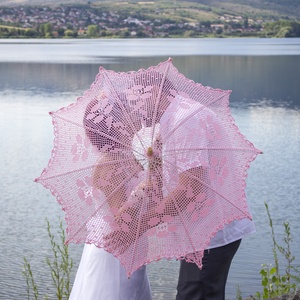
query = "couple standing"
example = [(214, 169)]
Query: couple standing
[(100, 275)]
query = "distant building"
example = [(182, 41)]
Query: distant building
[(216, 26)]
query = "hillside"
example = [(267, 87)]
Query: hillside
[(284, 8), (277, 9), (160, 18)]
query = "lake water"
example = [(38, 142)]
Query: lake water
[(38, 76)]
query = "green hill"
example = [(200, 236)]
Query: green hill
[(286, 9), (276, 8), (158, 18)]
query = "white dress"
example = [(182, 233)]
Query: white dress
[(100, 276)]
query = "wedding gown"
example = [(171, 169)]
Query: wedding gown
[(100, 276)]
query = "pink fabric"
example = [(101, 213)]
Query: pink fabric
[(154, 160)]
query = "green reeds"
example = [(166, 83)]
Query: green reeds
[(276, 282), (60, 266)]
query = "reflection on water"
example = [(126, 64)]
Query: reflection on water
[(251, 78), (265, 105), (97, 51)]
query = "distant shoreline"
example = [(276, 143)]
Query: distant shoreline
[(156, 19)]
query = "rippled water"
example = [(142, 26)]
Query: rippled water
[(265, 104)]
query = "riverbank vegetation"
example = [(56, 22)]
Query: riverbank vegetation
[(60, 266), (280, 279), (155, 19)]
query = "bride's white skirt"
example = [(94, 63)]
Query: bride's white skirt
[(100, 276)]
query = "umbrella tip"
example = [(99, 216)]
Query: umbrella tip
[(150, 152), (170, 59)]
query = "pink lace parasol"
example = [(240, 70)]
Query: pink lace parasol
[(148, 165)]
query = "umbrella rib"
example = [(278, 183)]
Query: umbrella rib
[(116, 189), (82, 169), (192, 114), (106, 135), (178, 209), (213, 148), (125, 113), (54, 114), (212, 189), (180, 215), (159, 97), (102, 134), (206, 185), (105, 200), (93, 130), (137, 235)]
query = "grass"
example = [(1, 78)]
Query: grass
[(60, 266), (278, 279)]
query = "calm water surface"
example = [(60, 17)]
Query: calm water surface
[(39, 76)]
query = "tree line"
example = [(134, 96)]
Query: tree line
[(282, 29), (279, 29)]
